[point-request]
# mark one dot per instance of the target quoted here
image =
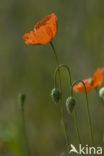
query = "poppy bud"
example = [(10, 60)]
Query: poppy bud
[(70, 104), (55, 94), (101, 93)]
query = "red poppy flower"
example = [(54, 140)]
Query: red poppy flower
[(90, 83), (43, 32)]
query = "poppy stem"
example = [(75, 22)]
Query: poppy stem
[(77, 127), (88, 110), (55, 86), (57, 69), (61, 101), (54, 51), (22, 98)]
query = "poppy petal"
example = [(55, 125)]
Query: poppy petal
[(98, 78), (80, 88), (44, 31), (90, 85)]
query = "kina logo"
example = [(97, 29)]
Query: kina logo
[(86, 150)]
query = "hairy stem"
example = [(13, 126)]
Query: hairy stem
[(76, 124), (75, 112), (88, 110), (61, 100)]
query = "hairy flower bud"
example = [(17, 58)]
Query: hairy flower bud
[(55, 94), (70, 104), (101, 93)]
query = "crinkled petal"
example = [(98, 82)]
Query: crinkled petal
[(98, 78), (90, 85), (80, 88), (44, 31)]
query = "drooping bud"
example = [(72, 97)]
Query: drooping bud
[(70, 104), (101, 93), (56, 94)]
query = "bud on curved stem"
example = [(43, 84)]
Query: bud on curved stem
[(61, 101), (88, 110), (56, 95), (70, 104)]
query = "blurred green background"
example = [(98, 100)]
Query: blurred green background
[(29, 69)]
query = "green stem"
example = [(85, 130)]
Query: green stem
[(88, 110), (61, 101), (75, 113), (53, 48), (25, 135), (77, 129), (58, 68), (21, 102)]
